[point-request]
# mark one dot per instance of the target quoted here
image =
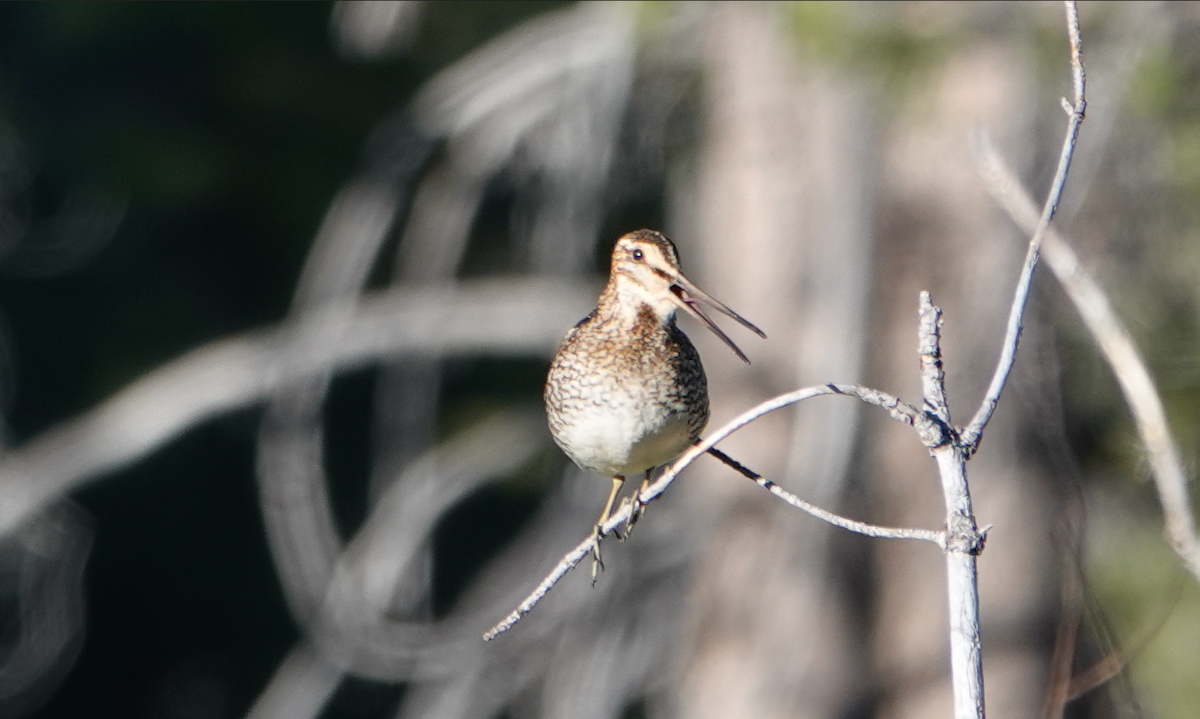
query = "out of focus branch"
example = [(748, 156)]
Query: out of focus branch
[(298, 516), (514, 94), (374, 30), (42, 566), (300, 687), (355, 624), (1121, 353), (513, 317), (973, 433)]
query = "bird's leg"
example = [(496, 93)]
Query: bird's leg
[(597, 564), (639, 507)]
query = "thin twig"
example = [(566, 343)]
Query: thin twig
[(1119, 350), (870, 530), (973, 433), (898, 410)]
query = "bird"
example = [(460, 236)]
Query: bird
[(626, 392)]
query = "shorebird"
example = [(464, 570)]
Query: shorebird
[(626, 392)]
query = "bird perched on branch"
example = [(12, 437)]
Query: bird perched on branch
[(626, 392)]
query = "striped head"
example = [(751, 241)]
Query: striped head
[(645, 271)]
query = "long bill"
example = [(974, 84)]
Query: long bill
[(688, 296)]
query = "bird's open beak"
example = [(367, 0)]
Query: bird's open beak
[(688, 296)]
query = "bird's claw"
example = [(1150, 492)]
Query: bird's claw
[(639, 508), (597, 563)]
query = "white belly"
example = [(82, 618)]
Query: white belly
[(624, 440)]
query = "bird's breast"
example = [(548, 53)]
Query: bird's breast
[(621, 403)]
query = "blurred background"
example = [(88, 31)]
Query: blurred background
[(279, 284)]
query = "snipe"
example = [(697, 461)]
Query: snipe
[(626, 392)]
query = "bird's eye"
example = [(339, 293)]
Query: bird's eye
[(637, 255)]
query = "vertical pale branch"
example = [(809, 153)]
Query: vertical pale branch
[(933, 375), (964, 542), (973, 433)]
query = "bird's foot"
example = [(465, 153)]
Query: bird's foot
[(639, 508), (597, 563)]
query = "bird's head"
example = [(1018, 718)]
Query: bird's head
[(645, 269)]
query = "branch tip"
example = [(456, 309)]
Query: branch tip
[(973, 433)]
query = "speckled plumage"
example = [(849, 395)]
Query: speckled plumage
[(623, 397), (626, 391)]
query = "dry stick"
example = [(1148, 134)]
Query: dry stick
[(897, 409), (963, 540), (973, 433), (1122, 355), (870, 530)]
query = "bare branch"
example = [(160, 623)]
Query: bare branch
[(870, 530), (356, 610), (933, 375), (963, 541), (1122, 355), (973, 433), (897, 409), (568, 562)]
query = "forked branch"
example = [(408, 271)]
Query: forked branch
[(870, 530), (961, 540), (898, 410)]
